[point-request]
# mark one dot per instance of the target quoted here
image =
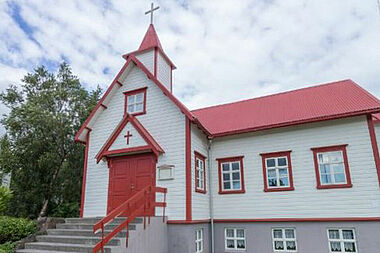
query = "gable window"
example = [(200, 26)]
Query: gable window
[(284, 240), (234, 238), (331, 167), (342, 240), (199, 240), (231, 175), (200, 172), (135, 101), (277, 171)]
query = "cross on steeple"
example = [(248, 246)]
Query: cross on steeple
[(127, 137), (152, 9)]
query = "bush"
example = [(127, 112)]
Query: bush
[(5, 197), (8, 247), (14, 229)]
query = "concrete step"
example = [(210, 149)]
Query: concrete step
[(63, 247), (40, 251), (83, 232), (74, 240), (94, 220), (85, 226)]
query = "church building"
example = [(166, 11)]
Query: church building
[(297, 171)]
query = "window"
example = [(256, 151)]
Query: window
[(277, 171), (342, 240), (331, 167), (231, 175), (284, 240), (200, 173), (199, 240), (135, 101), (235, 238)]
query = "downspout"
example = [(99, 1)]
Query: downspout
[(211, 204)]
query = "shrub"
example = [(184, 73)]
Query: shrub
[(5, 197), (14, 229), (8, 247)]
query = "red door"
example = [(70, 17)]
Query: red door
[(127, 176)]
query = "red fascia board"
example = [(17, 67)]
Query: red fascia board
[(297, 122), (83, 127), (127, 150), (375, 149)]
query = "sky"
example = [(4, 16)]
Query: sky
[(225, 50)]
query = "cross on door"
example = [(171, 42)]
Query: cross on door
[(127, 137)]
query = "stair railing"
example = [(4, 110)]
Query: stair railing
[(142, 202)]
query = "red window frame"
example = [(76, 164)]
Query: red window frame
[(290, 171), (231, 159), (342, 148), (134, 92), (199, 156)]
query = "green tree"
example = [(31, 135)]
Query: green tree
[(39, 149)]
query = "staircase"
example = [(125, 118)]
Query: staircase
[(76, 235)]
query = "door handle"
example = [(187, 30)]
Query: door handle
[(132, 186)]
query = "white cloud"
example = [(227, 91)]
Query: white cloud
[(225, 50)]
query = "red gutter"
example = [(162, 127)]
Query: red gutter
[(375, 149), (84, 173)]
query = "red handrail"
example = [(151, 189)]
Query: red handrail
[(132, 207)]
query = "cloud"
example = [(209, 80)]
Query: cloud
[(225, 50)]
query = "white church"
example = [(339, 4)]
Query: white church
[(297, 171)]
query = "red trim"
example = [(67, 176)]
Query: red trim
[(100, 102), (188, 170), (342, 148), (188, 222), (290, 171), (297, 122), (166, 58), (231, 159), (199, 156), (375, 149), (299, 219), (133, 150), (119, 83), (133, 92), (171, 80), (155, 61), (84, 174), (152, 144)]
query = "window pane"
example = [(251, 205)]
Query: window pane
[(236, 176), (279, 245), (271, 162), (283, 172), (284, 181), (139, 97), (240, 233), (272, 182), (338, 167), (240, 244), (139, 107), (281, 161), (277, 233), (230, 233), (335, 157), (289, 233), (131, 99), (348, 234), (291, 245), (236, 184), (349, 247), (272, 173), (226, 167), (235, 166), (324, 168), (230, 244), (322, 158), (340, 178), (326, 179), (333, 234), (335, 247), (130, 108), (226, 177), (227, 185)]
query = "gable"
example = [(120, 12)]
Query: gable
[(128, 137)]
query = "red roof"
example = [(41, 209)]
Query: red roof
[(150, 39), (327, 101)]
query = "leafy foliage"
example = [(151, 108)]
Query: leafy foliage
[(14, 229), (8, 247), (5, 197), (39, 149)]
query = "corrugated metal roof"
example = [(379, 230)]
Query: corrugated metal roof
[(327, 101), (150, 39)]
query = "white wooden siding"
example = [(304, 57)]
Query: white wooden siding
[(377, 132), (362, 200), (200, 201), (165, 123), (134, 141), (147, 58), (163, 71)]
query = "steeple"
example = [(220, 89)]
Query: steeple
[(150, 39)]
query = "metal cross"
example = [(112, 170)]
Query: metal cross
[(152, 9), (127, 137)]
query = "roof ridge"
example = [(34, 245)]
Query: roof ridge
[(276, 94)]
